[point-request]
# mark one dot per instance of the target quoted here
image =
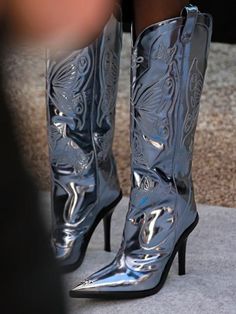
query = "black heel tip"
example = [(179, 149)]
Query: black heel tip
[(107, 250)]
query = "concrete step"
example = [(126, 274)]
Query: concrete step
[(208, 287)]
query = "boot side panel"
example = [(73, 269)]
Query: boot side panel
[(106, 88), (69, 100)]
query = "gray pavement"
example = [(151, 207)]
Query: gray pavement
[(208, 287)]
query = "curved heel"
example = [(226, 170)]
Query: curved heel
[(182, 257), (107, 231)]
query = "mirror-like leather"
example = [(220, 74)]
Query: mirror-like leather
[(81, 97), (169, 60)]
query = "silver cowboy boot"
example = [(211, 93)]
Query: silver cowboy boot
[(81, 98), (168, 67)]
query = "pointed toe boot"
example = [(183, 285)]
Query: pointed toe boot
[(81, 98), (168, 67)]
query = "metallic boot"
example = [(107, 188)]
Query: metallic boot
[(81, 98), (168, 67)]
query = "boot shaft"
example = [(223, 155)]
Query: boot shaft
[(168, 68), (81, 115)]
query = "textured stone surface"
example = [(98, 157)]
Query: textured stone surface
[(215, 149), (208, 287)]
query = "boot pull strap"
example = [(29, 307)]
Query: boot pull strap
[(190, 12)]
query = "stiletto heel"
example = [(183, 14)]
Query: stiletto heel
[(182, 257), (107, 231)]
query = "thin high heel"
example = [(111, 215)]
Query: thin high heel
[(107, 231), (182, 257)]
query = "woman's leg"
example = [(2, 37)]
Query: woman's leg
[(79, 83), (152, 11), (167, 71), (76, 22)]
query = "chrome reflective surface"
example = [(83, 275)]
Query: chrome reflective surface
[(168, 67), (81, 98)]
